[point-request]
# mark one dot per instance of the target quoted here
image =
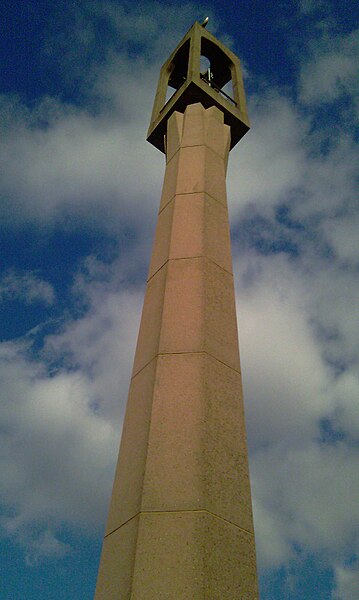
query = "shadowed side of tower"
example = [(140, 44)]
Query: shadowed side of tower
[(180, 522)]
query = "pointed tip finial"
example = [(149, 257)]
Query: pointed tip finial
[(204, 24)]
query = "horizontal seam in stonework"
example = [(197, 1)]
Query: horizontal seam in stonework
[(186, 194), (195, 146), (122, 525), (173, 155), (189, 258), (188, 352), (201, 352), (144, 366), (178, 512)]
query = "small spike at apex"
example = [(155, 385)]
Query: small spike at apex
[(204, 24)]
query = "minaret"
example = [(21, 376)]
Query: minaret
[(180, 523)]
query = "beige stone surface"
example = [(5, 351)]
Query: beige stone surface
[(205, 128), (196, 455), (117, 562), (199, 310), (169, 187), (218, 135), (189, 555), (214, 176), (217, 234), (163, 238), (128, 483), (198, 155), (189, 306), (192, 225), (183, 444), (214, 559), (180, 522), (174, 135), (194, 126), (151, 321), (198, 169), (230, 561)]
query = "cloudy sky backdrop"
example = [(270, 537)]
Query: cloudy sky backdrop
[(79, 192)]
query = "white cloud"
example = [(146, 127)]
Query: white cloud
[(279, 162), (310, 494), (52, 444), (101, 343), (80, 165), (281, 359), (269, 163), (60, 425), (304, 489), (25, 287), (347, 582), (342, 234), (309, 6), (45, 545), (92, 164), (346, 394), (331, 72)]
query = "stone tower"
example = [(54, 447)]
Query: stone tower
[(180, 523)]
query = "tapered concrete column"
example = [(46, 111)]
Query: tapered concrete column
[(180, 522)]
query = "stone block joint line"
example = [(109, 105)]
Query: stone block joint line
[(169, 512)]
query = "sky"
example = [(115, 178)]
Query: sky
[(79, 193)]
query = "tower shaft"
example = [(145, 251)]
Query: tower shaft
[(180, 522)]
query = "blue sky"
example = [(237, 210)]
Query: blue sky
[(79, 191)]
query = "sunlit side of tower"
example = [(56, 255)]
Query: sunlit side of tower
[(180, 523)]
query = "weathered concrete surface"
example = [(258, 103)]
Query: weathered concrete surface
[(180, 522)]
